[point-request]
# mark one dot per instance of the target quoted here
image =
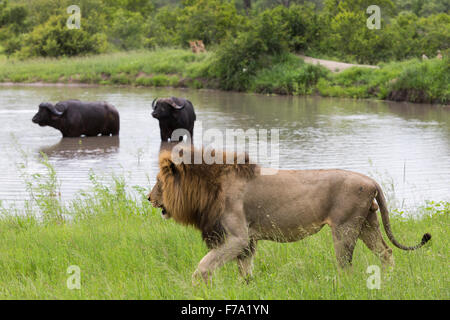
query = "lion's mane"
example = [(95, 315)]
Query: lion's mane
[(193, 193)]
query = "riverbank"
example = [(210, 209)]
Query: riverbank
[(125, 250), (413, 80)]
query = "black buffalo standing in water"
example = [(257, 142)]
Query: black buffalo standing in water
[(174, 113), (75, 118)]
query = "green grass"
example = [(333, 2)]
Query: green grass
[(412, 80), (151, 68), (125, 250)]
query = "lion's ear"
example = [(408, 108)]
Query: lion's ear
[(168, 166)]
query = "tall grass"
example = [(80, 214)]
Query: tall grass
[(126, 251)]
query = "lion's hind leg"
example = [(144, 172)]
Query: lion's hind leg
[(344, 239), (373, 239), (345, 235)]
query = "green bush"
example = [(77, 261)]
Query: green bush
[(14, 17), (434, 33), (126, 31), (207, 20), (344, 33), (427, 81), (412, 80), (54, 39), (300, 23), (239, 58), (161, 28), (354, 40), (287, 75)]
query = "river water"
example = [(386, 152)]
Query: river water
[(406, 147)]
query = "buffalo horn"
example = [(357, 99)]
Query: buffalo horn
[(174, 104), (51, 108)]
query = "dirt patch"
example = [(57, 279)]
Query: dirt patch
[(335, 66)]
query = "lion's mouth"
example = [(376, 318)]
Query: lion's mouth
[(164, 213)]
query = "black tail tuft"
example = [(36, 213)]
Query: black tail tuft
[(426, 237)]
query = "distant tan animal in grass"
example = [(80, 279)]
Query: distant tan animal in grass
[(439, 55), (197, 46), (234, 206)]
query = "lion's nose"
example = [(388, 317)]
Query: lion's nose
[(149, 199)]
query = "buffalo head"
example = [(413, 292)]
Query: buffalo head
[(46, 113), (164, 107)]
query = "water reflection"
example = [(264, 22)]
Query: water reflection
[(80, 148)]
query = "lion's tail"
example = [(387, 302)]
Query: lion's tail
[(381, 200)]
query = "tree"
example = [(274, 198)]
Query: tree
[(126, 31), (207, 20)]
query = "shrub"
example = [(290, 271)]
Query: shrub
[(412, 80), (126, 30), (288, 75), (300, 23), (207, 20), (54, 39), (426, 81), (239, 58), (161, 28), (14, 17)]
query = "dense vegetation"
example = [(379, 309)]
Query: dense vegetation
[(409, 28), (126, 251), (250, 43)]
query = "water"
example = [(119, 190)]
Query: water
[(406, 147)]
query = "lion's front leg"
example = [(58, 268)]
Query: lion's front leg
[(232, 247), (236, 242), (245, 261)]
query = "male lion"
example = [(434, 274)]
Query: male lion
[(234, 206)]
